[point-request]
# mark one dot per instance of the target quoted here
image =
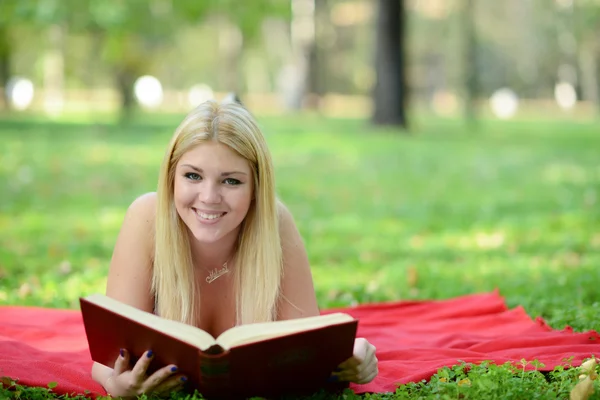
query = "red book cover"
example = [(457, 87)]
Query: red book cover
[(298, 363)]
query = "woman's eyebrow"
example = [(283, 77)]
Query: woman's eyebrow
[(222, 173)]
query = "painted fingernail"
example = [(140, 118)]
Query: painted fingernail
[(338, 369), (122, 352), (333, 378), (150, 353), (173, 369), (183, 379)]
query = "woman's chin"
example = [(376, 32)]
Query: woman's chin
[(205, 238)]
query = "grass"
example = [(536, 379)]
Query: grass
[(384, 216)]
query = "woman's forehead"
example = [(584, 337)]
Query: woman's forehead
[(213, 155)]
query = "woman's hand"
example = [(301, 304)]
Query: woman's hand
[(361, 367), (126, 382)]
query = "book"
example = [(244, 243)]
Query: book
[(269, 359)]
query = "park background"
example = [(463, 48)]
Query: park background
[(427, 148)]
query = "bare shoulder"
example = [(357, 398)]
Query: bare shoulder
[(288, 230), (297, 289), (285, 216), (130, 272), (140, 218), (144, 205)]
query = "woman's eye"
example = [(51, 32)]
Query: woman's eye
[(193, 176), (231, 181)]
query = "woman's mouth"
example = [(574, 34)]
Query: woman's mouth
[(208, 215)]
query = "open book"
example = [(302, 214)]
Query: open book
[(262, 359)]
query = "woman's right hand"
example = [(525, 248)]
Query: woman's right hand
[(131, 382)]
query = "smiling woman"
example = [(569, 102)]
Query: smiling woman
[(213, 247), (213, 191)]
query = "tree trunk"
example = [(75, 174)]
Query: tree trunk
[(389, 94), (588, 58), (54, 71), (97, 37), (313, 88), (302, 35), (316, 63), (5, 52), (125, 80), (471, 84)]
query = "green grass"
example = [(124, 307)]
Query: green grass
[(437, 214), (464, 381)]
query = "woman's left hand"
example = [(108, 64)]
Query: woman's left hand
[(361, 367)]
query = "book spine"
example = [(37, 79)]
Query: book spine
[(215, 375)]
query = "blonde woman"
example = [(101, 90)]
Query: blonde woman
[(213, 247)]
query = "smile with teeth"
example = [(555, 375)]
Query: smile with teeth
[(209, 216)]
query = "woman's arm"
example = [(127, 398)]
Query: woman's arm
[(130, 273), (101, 374), (299, 300), (298, 297), (129, 281)]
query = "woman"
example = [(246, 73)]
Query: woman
[(213, 247)]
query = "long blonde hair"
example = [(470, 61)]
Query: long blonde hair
[(258, 269)]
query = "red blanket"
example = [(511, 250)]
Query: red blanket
[(413, 340)]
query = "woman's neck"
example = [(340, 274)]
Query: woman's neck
[(213, 255)]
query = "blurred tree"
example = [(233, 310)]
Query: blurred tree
[(239, 25), (524, 45), (586, 28), (296, 78), (389, 94), (7, 16), (316, 84), (125, 35), (5, 52), (130, 32), (469, 65)]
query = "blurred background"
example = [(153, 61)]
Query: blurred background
[(453, 58)]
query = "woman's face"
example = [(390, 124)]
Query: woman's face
[(213, 190)]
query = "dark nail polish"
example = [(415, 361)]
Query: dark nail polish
[(150, 353), (122, 353), (338, 369), (183, 379), (173, 369), (333, 378)]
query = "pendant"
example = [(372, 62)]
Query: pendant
[(217, 273)]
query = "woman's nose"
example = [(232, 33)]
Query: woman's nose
[(210, 193)]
